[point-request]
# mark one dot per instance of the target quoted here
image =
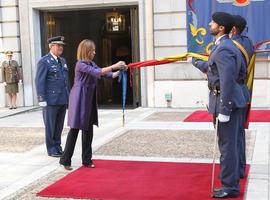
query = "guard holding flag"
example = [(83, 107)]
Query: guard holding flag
[(226, 100), (245, 45)]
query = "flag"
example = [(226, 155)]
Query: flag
[(249, 83), (123, 78), (199, 13)]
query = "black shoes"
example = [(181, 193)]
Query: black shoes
[(61, 152), (217, 190), (219, 193), (12, 107), (90, 165), (56, 155), (67, 167)]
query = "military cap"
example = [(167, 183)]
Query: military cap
[(9, 53), (56, 40), (239, 22), (224, 19)]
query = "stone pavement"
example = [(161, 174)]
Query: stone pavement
[(158, 134)]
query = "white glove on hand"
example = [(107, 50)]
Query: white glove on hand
[(189, 60), (20, 82), (223, 118), (115, 74), (42, 103), (5, 84)]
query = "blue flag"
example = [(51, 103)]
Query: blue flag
[(199, 13), (123, 78)]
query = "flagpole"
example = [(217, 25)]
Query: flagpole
[(262, 51), (214, 6), (123, 118)]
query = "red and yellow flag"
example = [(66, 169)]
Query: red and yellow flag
[(184, 56)]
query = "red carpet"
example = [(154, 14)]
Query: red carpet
[(204, 116), (133, 180)]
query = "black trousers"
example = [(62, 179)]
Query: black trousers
[(87, 137)]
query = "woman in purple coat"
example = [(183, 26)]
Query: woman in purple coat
[(82, 109)]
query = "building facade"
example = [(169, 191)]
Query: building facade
[(152, 29)]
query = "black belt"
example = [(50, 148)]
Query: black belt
[(214, 89)]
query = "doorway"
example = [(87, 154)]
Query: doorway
[(115, 33)]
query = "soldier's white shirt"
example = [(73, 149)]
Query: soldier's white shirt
[(218, 39)]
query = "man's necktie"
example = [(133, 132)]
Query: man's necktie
[(59, 62)]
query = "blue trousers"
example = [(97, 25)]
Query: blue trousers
[(54, 117), (228, 142), (242, 147)]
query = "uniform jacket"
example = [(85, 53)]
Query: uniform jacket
[(52, 83), (82, 112), (246, 43), (248, 46), (224, 65), (11, 71)]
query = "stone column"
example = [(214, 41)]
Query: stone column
[(29, 26), (149, 41)]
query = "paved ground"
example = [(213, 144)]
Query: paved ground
[(149, 134), (167, 143)]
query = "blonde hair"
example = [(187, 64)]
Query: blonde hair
[(84, 48)]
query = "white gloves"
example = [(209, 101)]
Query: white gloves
[(189, 60), (20, 82), (5, 84), (42, 103), (223, 118), (115, 74)]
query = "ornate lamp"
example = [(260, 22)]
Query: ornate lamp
[(115, 22)]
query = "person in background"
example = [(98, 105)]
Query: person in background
[(11, 77), (245, 45), (82, 112), (52, 85)]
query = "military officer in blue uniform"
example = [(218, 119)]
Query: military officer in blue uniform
[(247, 52), (226, 100), (52, 87)]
